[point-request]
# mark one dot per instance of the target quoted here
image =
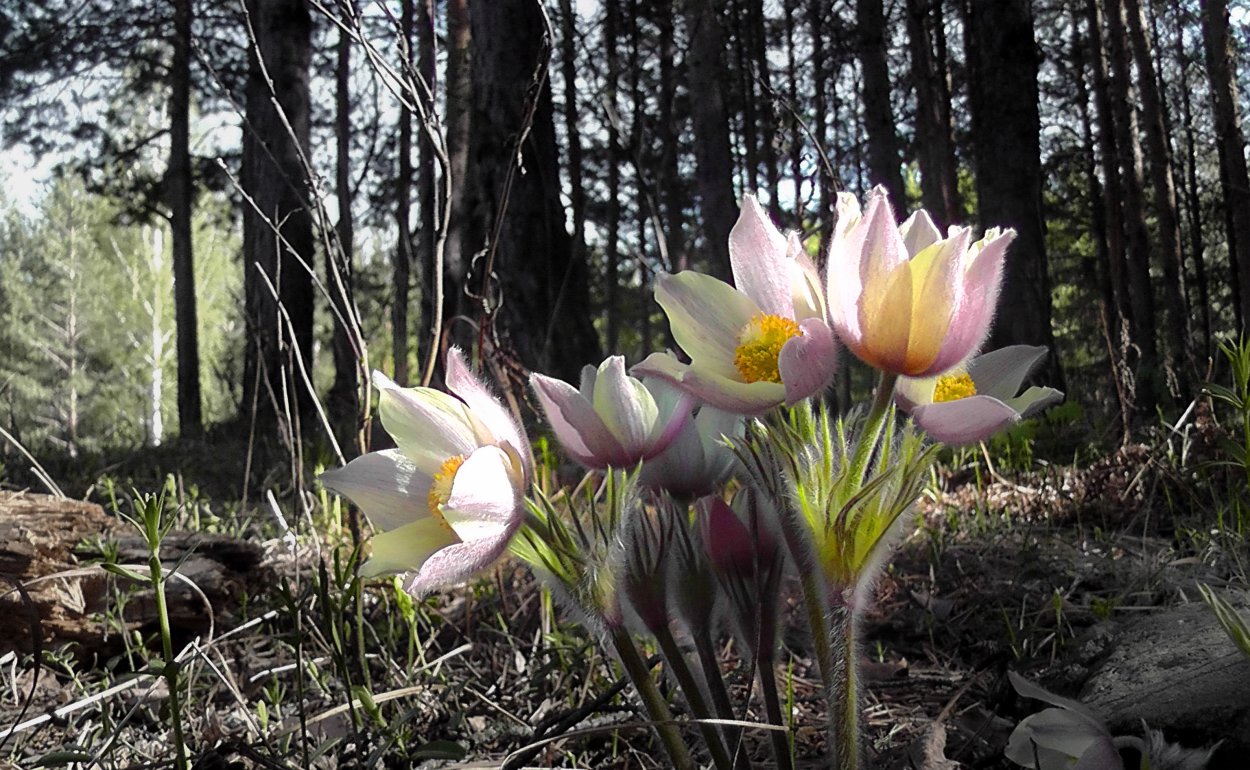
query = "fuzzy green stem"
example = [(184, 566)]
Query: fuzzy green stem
[(871, 433), (772, 709), (661, 717), (720, 696), (844, 697), (171, 666), (694, 695)]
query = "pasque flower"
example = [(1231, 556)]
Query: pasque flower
[(755, 346), (612, 419), (905, 299), (449, 499), (972, 403)]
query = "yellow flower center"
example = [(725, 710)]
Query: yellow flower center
[(759, 346), (952, 387), (440, 489)]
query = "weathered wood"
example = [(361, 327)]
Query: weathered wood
[(42, 537)]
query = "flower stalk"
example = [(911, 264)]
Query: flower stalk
[(657, 708)]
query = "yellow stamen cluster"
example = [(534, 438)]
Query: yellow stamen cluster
[(759, 346), (952, 387), (440, 490)]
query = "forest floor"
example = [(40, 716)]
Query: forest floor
[(1029, 570)]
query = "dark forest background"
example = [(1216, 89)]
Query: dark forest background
[(234, 204)]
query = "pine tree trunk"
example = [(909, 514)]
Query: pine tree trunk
[(402, 259), (1231, 147), (883, 146), (1193, 206), (671, 187), (934, 143), (545, 316), (1005, 128), (714, 164), (181, 196), (1159, 165), (277, 236), (343, 401), (573, 136), (427, 192), (612, 281), (458, 251)]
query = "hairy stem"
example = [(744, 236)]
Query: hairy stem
[(694, 695), (871, 433), (720, 697), (844, 697), (657, 708)]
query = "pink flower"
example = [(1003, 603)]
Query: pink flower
[(967, 405), (904, 299), (448, 500), (612, 419), (758, 345)]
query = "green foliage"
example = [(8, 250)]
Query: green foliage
[(1233, 485)]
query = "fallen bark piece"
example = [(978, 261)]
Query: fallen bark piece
[(1178, 671)]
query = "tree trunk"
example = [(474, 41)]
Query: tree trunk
[(427, 192), (612, 281), (1159, 164), (181, 194), (1149, 383), (883, 146), (545, 315), (277, 234), (343, 401), (1005, 128), (402, 260), (459, 249), (671, 187), (568, 70), (1231, 147), (824, 192), (714, 163), (935, 146), (1117, 263), (1193, 206)]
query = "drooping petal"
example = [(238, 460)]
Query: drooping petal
[(712, 388), (982, 281), (1000, 373), (1068, 734), (484, 501), (385, 485), (919, 232), (572, 417), (1034, 400), (625, 406), (457, 563), (706, 316), (757, 255), (965, 421), (428, 425), (407, 548), (808, 362), (483, 405), (911, 392)]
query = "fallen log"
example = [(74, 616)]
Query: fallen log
[(53, 546)]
